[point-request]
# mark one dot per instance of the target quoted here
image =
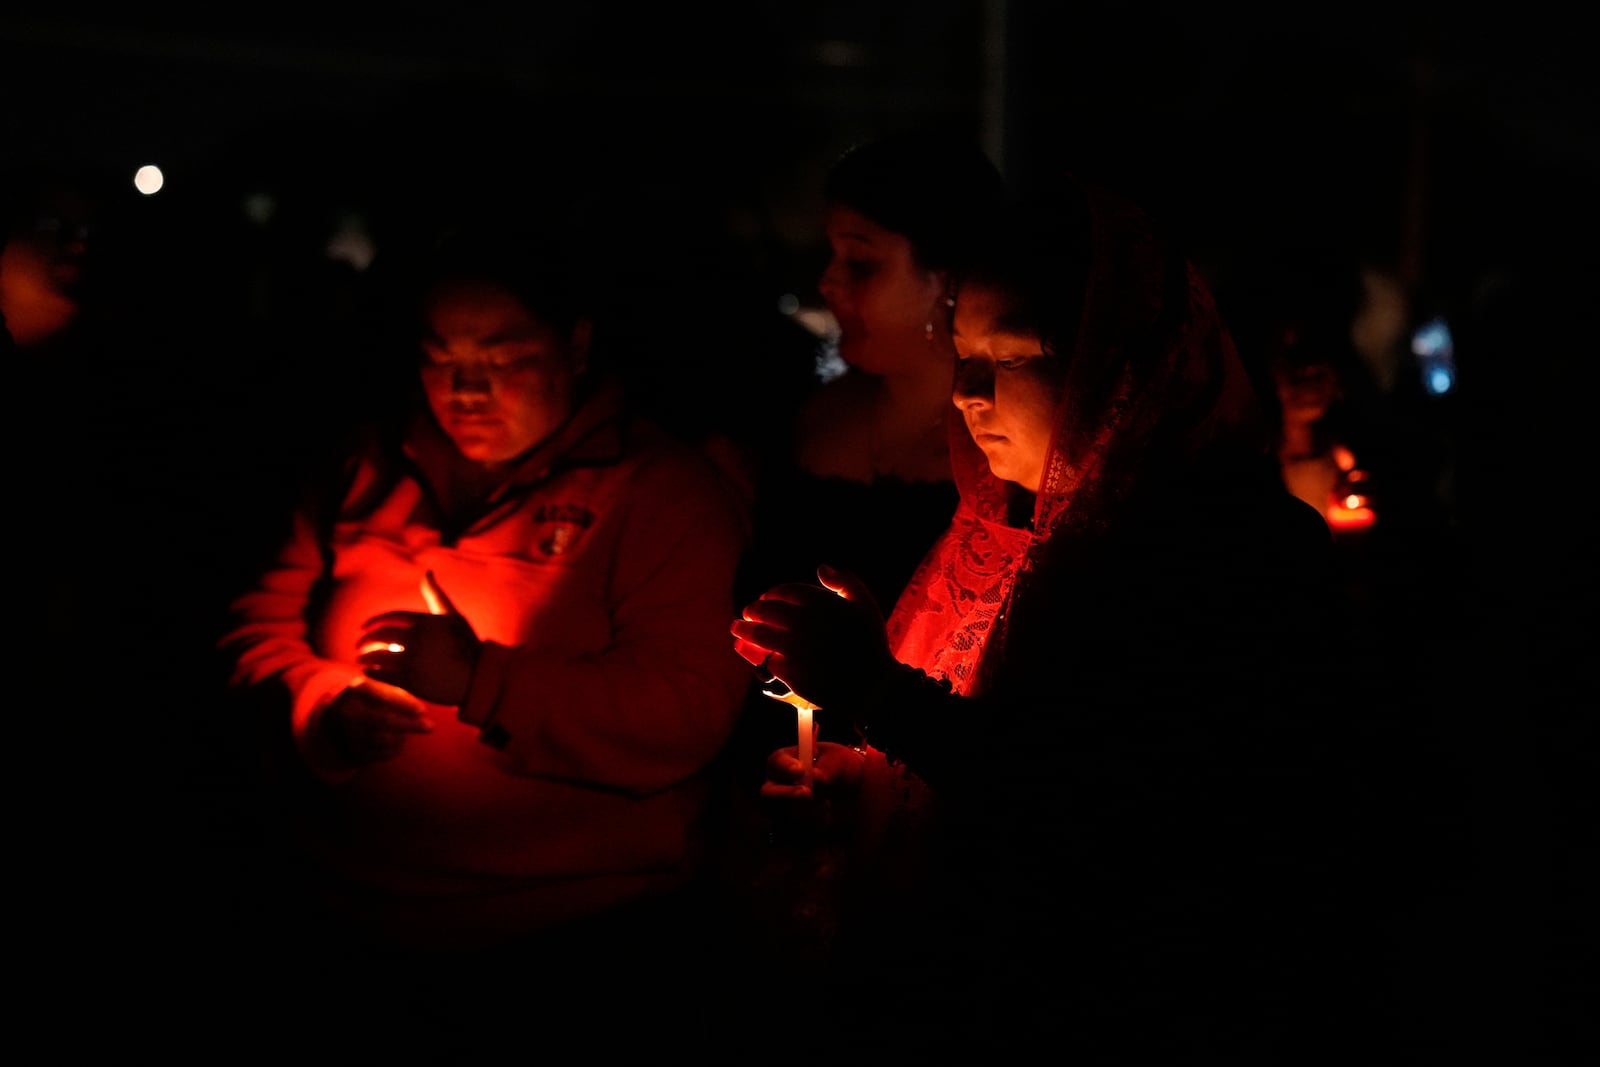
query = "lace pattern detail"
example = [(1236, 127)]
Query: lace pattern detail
[(956, 600)]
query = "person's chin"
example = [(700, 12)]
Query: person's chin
[(999, 458)]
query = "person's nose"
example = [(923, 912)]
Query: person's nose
[(469, 378), (974, 383)]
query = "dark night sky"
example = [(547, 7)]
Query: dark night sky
[(1229, 121)]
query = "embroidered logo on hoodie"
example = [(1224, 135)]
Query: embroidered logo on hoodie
[(560, 526)]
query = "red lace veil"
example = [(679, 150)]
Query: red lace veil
[(1154, 389)]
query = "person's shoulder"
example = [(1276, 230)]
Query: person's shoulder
[(1282, 547), (1270, 520), (1287, 519), (650, 446), (676, 473), (1250, 519)]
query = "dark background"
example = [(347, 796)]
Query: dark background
[(1455, 151), (1407, 130)]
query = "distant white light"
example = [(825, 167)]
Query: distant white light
[(148, 179)]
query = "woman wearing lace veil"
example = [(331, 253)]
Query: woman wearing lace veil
[(1094, 792)]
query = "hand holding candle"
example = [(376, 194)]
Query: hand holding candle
[(827, 638), (1349, 507), (430, 654)]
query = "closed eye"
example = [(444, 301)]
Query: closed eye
[(520, 358), (1018, 361)]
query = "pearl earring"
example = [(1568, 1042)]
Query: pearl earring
[(927, 329)]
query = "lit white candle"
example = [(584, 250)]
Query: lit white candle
[(804, 710), (807, 739)]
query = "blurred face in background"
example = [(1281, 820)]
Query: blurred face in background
[(44, 263), (1307, 388), (498, 378), (1007, 386), (882, 299)]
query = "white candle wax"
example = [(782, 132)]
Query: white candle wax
[(807, 737)]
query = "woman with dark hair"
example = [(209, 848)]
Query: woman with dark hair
[(867, 448), (1095, 772), (862, 474), (860, 471)]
